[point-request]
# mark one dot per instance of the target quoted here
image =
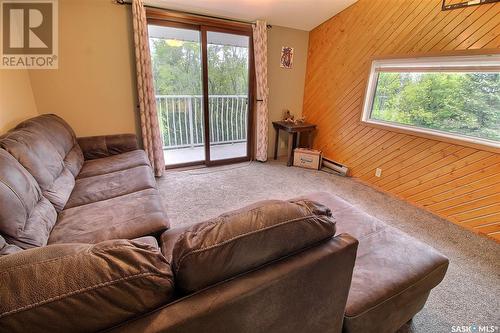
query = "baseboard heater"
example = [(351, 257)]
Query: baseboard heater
[(335, 168)]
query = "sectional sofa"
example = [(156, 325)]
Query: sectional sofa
[(85, 246)]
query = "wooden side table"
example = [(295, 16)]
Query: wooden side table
[(294, 131)]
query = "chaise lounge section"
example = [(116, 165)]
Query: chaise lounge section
[(393, 275)]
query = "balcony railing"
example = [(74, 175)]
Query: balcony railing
[(181, 119)]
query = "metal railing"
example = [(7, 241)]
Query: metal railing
[(181, 119)]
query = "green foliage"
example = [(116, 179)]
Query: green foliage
[(227, 70), (464, 103), (177, 69)]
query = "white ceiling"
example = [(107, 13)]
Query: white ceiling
[(298, 14)]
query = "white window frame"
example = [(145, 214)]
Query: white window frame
[(475, 63)]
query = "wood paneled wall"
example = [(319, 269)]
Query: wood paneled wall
[(461, 184)]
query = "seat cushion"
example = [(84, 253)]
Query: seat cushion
[(394, 272), (391, 281), (6, 248), (148, 240), (128, 216), (242, 240), (26, 216), (81, 287), (114, 163), (46, 146), (102, 187)]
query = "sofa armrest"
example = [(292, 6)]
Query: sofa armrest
[(81, 287), (305, 292), (106, 145)]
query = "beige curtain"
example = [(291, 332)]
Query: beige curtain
[(150, 127), (262, 112)]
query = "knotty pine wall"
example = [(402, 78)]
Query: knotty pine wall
[(461, 184)]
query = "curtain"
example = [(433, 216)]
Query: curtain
[(150, 127), (262, 112)]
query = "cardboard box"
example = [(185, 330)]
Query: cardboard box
[(307, 158)]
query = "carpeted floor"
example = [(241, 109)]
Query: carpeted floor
[(470, 292)]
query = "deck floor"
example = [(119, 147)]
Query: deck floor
[(217, 152)]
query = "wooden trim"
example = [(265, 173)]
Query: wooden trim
[(170, 24), (228, 30), (206, 111), (251, 100), (435, 54), (227, 161), (180, 17), (208, 163), (431, 136), (452, 69), (184, 165)]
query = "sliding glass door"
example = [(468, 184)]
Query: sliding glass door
[(202, 78)]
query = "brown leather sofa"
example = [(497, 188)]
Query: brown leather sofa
[(83, 248), (85, 190)]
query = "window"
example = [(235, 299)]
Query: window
[(449, 97)]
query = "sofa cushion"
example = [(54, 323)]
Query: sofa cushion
[(169, 238), (394, 272), (95, 147), (129, 216), (54, 129), (114, 163), (245, 239), (46, 146), (6, 248), (26, 217), (86, 288), (148, 240), (74, 160), (388, 279), (102, 187)]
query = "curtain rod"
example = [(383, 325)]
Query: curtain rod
[(128, 2)]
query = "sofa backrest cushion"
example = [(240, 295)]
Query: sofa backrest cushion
[(46, 146), (81, 287), (245, 239), (26, 216)]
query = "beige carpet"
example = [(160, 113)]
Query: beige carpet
[(470, 292)]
